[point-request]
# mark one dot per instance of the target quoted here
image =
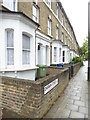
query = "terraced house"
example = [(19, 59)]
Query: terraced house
[(32, 33)]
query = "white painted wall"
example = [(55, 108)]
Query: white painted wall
[(42, 54), (67, 54), (58, 45), (19, 24)]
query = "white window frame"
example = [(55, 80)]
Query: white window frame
[(55, 54), (36, 12), (10, 63), (49, 26), (57, 9), (9, 4), (25, 50), (56, 33)]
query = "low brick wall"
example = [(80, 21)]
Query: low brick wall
[(27, 97), (76, 67)]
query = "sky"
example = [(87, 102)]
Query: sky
[(77, 12)]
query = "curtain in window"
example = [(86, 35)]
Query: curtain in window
[(10, 38), (10, 56), (26, 49), (10, 47)]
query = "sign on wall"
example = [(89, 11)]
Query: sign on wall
[(50, 86)]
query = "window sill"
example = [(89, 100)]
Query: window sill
[(19, 69)]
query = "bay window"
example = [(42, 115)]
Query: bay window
[(10, 46), (25, 49)]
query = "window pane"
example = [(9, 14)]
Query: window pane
[(49, 26), (56, 33), (26, 42), (26, 57), (34, 10), (63, 59), (26, 50), (9, 4), (10, 38), (14, 4), (63, 53), (10, 56)]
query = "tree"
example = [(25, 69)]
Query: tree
[(85, 48)]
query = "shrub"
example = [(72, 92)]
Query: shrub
[(77, 59)]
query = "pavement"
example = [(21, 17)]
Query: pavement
[(74, 101)]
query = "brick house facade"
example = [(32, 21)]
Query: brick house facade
[(52, 42)]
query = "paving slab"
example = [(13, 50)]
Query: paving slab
[(76, 115), (74, 101), (72, 107), (83, 110), (79, 103)]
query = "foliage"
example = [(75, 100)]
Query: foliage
[(85, 49), (77, 59)]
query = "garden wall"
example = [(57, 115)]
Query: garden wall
[(32, 99), (76, 67)]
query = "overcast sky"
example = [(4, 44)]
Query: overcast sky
[(77, 12)]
